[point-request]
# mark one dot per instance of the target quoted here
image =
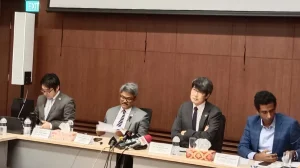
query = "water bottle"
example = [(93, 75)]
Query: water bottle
[(175, 146), (3, 127), (27, 127), (71, 124)]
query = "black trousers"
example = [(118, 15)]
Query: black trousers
[(124, 161)]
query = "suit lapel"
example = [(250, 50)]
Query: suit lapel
[(189, 113), (277, 132), (42, 108), (114, 115), (130, 118), (204, 116), (55, 104), (256, 136)]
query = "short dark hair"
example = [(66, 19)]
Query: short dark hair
[(203, 84), (50, 80), (263, 98)]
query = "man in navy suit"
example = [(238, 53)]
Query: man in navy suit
[(269, 134)]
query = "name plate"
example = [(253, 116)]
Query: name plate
[(228, 160), (83, 139), (160, 148), (41, 133)]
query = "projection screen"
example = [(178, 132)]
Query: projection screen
[(197, 7)]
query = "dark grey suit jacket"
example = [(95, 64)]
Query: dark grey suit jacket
[(62, 110), (211, 116), (138, 120)]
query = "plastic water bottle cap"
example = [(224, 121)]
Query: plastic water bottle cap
[(27, 121), (176, 139), (3, 121), (70, 122)]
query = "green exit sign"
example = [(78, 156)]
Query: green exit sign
[(32, 6)]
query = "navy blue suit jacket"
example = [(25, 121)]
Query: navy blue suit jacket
[(286, 136)]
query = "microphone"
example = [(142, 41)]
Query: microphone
[(112, 142), (142, 141), (138, 141), (127, 135)]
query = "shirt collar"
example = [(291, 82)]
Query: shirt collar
[(127, 110), (271, 126), (56, 95), (201, 106)]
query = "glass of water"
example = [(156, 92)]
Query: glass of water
[(287, 159)]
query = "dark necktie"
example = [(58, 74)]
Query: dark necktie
[(122, 119), (194, 121)]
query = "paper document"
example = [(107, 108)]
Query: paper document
[(243, 161), (226, 159), (295, 164), (105, 127)]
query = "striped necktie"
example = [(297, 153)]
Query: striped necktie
[(122, 119)]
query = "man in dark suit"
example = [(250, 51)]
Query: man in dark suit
[(269, 134), (199, 118), (53, 107)]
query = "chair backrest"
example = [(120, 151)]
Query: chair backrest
[(149, 112), (221, 133)]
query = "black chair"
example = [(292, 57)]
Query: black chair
[(220, 134), (149, 111)]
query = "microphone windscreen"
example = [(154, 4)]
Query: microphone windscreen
[(148, 138)]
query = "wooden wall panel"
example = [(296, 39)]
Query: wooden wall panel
[(269, 38), (238, 40), (158, 90), (49, 37), (295, 91), (136, 35), (204, 36), (258, 74), (161, 34), (48, 20), (4, 59), (296, 47), (95, 31)]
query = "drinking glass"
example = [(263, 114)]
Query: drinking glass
[(287, 159)]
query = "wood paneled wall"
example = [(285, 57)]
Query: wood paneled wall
[(94, 54)]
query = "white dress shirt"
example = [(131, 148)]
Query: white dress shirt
[(266, 139), (119, 116), (199, 113), (48, 107)]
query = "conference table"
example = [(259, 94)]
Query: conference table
[(21, 151)]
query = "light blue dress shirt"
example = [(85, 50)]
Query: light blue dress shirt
[(266, 139)]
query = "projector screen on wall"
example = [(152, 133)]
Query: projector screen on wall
[(205, 7)]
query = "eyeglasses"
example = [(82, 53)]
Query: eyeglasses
[(128, 99), (47, 91)]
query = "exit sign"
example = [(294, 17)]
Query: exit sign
[(32, 6)]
